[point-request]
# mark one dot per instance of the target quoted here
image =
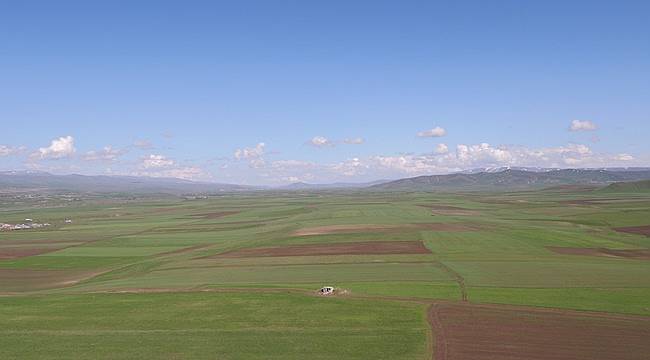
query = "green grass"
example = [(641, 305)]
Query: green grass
[(620, 300), (209, 326)]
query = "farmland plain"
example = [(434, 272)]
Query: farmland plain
[(235, 276)]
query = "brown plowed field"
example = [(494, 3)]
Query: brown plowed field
[(7, 253), (344, 229), (477, 332), (358, 248), (641, 254), (639, 230)]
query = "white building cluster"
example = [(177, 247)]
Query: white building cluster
[(28, 224)]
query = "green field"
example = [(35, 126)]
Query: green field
[(145, 279)]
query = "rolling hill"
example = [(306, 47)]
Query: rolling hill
[(631, 187), (514, 179)]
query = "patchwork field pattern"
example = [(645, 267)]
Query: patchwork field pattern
[(506, 274)]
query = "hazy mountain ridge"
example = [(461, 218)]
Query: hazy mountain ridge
[(494, 179), (42, 181), (515, 179)]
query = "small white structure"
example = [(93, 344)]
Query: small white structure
[(68, 221), (326, 290)]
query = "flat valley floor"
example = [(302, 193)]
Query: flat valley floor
[(560, 273)]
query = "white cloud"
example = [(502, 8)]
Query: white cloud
[(624, 157), (106, 154), (582, 125), (254, 155), (59, 148), (143, 144), (354, 141), (320, 141), (10, 150), (156, 162), (193, 173), (250, 153), (442, 149), (435, 132)]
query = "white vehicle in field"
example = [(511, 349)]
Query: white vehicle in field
[(326, 290)]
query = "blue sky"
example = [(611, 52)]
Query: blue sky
[(262, 92)]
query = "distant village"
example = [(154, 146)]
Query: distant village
[(27, 224)]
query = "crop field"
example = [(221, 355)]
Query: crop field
[(417, 276)]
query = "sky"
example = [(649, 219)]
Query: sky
[(276, 92)]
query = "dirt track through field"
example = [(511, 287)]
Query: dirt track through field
[(357, 248), (477, 332), (457, 277)]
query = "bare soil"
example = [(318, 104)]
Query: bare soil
[(481, 332), (8, 253), (641, 254), (30, 280), (639, 230), (358, 248)]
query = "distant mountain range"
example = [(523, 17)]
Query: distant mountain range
[(496, 179), (43, 181), (515, 179)]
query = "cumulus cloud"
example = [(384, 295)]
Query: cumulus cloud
[(254, 155), (320, 141), (250, 153), (435, 132), (442, 149), (59, 148), (582, 125), (105, 154), (444, 159), (354, 141), (161, 166), (156, 162)]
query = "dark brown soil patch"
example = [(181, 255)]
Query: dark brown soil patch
[(641, 254), (359, 248), (359, 228), (7, 253), (479, 332), (19, 280), (217, 214), (639, 230)]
